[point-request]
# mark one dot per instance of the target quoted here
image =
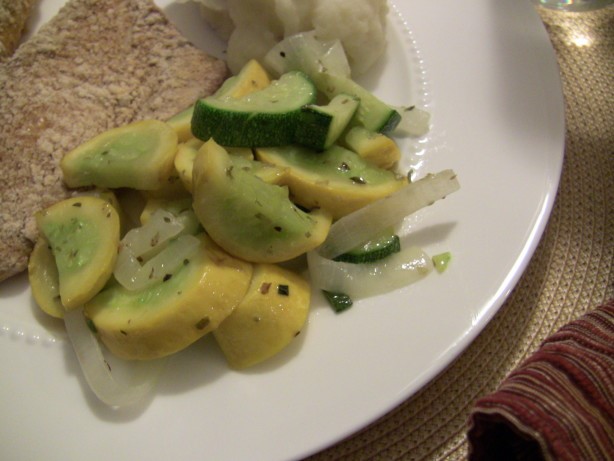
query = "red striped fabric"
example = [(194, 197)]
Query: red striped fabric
[(559, 404)]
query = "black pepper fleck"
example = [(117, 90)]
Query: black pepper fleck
[(344, 167), (264, 288), (202, 323)]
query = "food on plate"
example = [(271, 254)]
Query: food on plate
[(252, 77), (43, 270), (376, 148), (83, 234), (214, 207), (372, 113), (13, 17), (337, 180), (96, 65), (253, 28), (265, 225), (140, 155), (45, 280), (241, 157), (270, 316), (268, 117), (322, 125), (170, 315)]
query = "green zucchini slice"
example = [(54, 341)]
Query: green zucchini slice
[(322, 125), (373, 250), (373, 114), (268, 117)]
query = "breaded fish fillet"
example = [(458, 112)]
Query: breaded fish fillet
[(96, 65), (13, 17)]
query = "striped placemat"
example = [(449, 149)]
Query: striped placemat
[(571, 273)]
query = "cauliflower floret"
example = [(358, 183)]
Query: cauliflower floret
[(359, 25), (257, 30), (295, 15), (254, 27), (216, 14)]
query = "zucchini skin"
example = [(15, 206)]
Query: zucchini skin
[(265, 118), (391, 123), (378, 249), (373, 114), (244, 129), (338, 301), (323, 125)]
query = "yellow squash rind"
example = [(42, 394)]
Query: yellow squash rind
[(249, 218), (271, 315), (83, 233), (168, 317), (44, 279), (330, 187)]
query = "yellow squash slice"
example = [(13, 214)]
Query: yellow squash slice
[(170, 315), (270, 316), (337, 180), (249, 218), (83, 233)]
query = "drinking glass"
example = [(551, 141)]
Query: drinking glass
[(574, 5)]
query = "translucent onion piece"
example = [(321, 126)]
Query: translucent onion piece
[(133, 276), (364, 280), (334, 60), (96, 370), (305, 52), (358, 227), (414, 121), (147, 240)]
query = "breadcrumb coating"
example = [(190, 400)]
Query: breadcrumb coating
[(96, 65)]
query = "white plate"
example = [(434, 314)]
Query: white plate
[(487, 73)]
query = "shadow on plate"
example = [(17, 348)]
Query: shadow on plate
[(198, 366)]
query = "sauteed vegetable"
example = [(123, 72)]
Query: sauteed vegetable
[(265, 171)]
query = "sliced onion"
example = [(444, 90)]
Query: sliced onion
[(150, 238), (306, 52), (148, 253), (360, 226), (414, 121), (362, 280), (99, 377), (136, 276)]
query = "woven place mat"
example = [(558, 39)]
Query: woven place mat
[(571, 272)]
